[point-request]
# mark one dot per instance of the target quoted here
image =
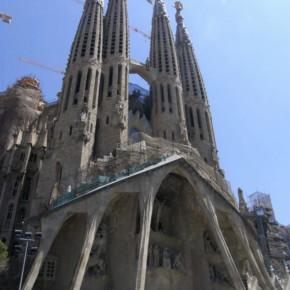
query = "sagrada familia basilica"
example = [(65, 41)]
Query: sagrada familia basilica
[(127, 199)]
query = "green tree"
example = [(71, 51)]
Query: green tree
[(3, 253)]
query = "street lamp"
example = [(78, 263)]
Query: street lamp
[(27, 237)]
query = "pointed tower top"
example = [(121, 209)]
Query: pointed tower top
[(178, 6), (182, 34), (242, 203), (159, 9)]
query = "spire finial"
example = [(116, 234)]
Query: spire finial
[(178, 6), (242, 203)]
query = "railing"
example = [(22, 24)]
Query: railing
[(99, 181)]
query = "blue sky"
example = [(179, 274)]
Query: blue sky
[(243, 49)]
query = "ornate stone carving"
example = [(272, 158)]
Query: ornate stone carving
[(156, 256), (166, 259), (98, 267)]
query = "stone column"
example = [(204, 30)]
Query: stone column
[(92, 225), (49, 233), (146, 200), (211, 216)]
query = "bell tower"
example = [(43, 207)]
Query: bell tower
[(74, 128), (112, 124), (197, 110), (168, 119)]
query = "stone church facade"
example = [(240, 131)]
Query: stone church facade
[(126, 200)]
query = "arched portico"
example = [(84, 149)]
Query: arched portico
[(176, 206)]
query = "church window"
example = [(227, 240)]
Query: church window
[(84, 47), (111, 76), (107, 120), (95, 89), (48, 269), (26, 188), (22, 156), (8, 216), (191, 117), (178, 101), (199, 119), (58, 172), (88, 81), (15, 187), (173, 137), (101, 89), (68, 89), (21, 215), (70, 130), (119, 74), (78, 83), (162, 93), (169, 93)]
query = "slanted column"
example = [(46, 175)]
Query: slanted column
[(92, 225), (262, 277), (211, 216), (146, 200), (49, 233)]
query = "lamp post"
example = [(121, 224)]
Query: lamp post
[(27, 237)]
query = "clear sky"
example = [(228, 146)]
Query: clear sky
[(243, 49)]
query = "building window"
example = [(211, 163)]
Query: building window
[(89, 76), (78, 83), (21, 215), (58, 172), (199, 119), (48, 269), (107, 120), (15, 187), (22, 156), (8, 216), (70, 130), (67, 94), (26, 188)]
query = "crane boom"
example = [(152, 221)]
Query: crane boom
[(140, 32), (5, 18), (41, 65)]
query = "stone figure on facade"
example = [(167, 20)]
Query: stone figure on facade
[(98, 265), (166, 258), (177, 264), (150, 257), (156, 257)]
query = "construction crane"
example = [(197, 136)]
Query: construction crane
[(5, 18), (41, 65), (146, 36)]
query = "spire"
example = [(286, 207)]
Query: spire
[(113, 102), (168, 119), (242, 203), (159, 9), (197, 112), (75, 126)]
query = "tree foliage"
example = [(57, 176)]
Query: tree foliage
[(3, 253)]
